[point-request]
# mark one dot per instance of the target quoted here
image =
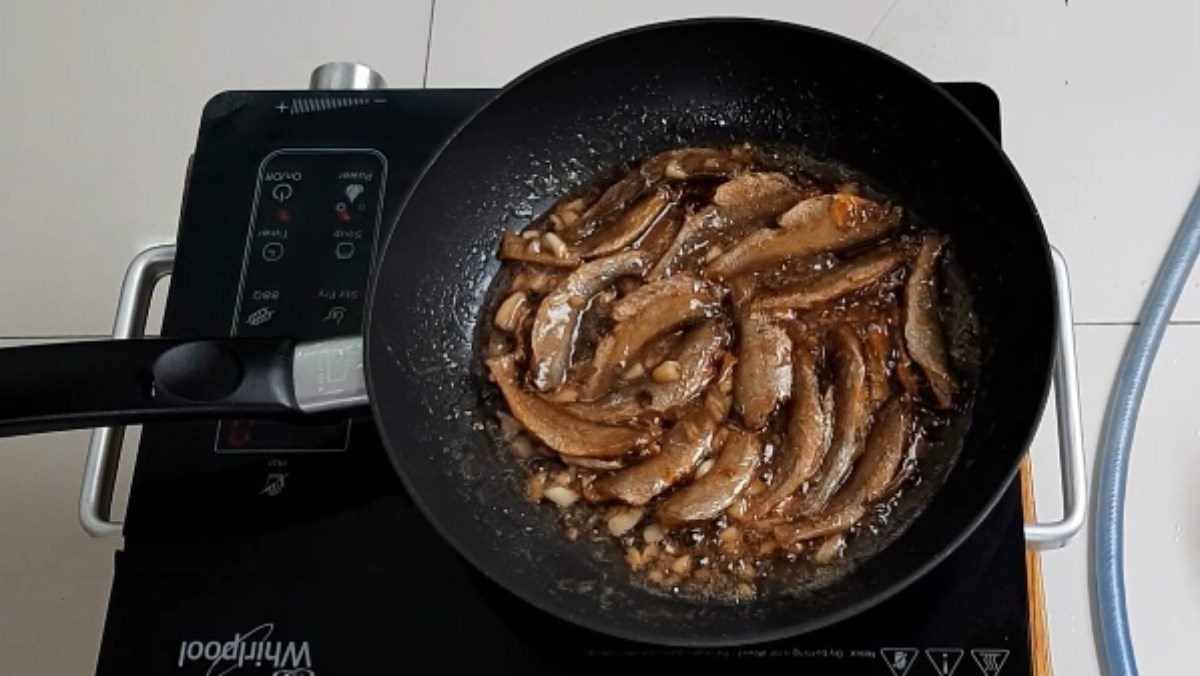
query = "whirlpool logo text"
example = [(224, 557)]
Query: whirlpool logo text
[(253, 649)]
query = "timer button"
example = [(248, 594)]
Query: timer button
[(272, 251)]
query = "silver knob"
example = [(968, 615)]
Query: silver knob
[(345, 75)]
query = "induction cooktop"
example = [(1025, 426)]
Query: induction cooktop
[(257, 547)]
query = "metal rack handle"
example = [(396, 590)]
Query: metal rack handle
[(104, 449), (154, 263), (1052, 534)]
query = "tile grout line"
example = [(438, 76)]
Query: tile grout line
[(101, 336), (36, 340), (1105, 323), (1174, 322), (84, 336), (428, 44)]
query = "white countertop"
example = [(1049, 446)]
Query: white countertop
[(1101, 114)]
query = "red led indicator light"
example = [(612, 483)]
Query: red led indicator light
[(285, 215), (239, 432)]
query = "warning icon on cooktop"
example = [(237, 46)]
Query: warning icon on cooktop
[(945, 660), (990, 660), (899, 660)]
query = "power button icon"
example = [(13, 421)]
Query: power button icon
[(282, 192)]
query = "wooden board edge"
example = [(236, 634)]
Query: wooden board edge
[(1039, 630)]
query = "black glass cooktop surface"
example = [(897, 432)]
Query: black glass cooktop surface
[(255, 548)]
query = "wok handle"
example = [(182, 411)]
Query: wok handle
[(1053, 534), (61, 386)]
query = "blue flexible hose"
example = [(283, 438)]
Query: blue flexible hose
[(1116, 647)]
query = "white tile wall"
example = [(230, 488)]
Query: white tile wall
[(1100, 107), (477, 43), (55, 578), (99, 110), (1099, 100), (99, 105), (1162, 516)]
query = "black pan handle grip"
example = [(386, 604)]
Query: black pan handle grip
[(45, 388)]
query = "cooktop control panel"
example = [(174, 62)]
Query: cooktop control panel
[(310, 244), (288, 202)]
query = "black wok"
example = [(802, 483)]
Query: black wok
[(581, 114)]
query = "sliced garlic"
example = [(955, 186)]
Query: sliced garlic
[(674, 170), (555, 244), (623, 519), (561, 496), (634, 372), (634, 558), (667, 372), (512, 311), (682, 565), (653, 533)]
